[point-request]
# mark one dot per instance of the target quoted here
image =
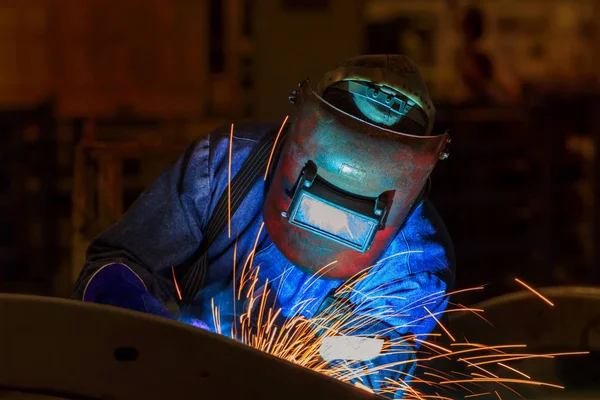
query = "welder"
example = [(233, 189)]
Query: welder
[(339, 191)]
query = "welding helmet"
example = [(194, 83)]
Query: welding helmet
[(358, 154)]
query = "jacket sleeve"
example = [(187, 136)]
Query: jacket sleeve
[(396, 299), (161, 229)]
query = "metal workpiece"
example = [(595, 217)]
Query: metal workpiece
[(75, 350)]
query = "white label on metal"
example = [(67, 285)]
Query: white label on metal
[(350, 348)]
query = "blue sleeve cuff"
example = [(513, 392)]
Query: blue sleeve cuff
[(111, 280)]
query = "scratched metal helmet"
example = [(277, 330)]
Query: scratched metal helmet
[(357, 157)]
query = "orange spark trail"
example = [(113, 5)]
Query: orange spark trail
[(250, 259), (532, 290), (526, 356), (262, 225), (536, 383), (298, 339), (440, 324), (483, 369), (229, 185), (511, 389), (474, 311), (273, 149), (175, 282)]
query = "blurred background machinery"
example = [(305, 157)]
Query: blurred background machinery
[(95, 99)]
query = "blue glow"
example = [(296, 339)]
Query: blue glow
[(333, 222)]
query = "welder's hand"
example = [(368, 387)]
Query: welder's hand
[(117, 285)]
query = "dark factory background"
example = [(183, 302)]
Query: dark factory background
[(96, 97)]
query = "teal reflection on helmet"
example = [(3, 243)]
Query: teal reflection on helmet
[(376, 112)]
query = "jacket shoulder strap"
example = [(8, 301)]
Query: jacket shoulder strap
[(192, 274)]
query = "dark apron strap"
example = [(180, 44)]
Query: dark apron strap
[(192, 274)]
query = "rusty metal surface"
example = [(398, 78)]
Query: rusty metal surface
[(94, 352), (574, 321)]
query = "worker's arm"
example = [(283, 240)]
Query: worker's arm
[(132, 259), (397, 296)]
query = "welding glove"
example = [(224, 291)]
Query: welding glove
[(117, 285)]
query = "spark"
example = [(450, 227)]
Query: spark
[(216, 315), (440, 324), (291, 336), (321, 271), (473, 311), (250, 259), (514, 370), (526, 356), (511, 389), (529, 382), (274, 147), (233, 326), (496, 348), (532, 290), (396, 255), (426, 343), (497, 394), (175, 282), (480, 368), (363, 387)]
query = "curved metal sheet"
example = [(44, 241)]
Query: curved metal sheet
[(81, 350), (354, 156)]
